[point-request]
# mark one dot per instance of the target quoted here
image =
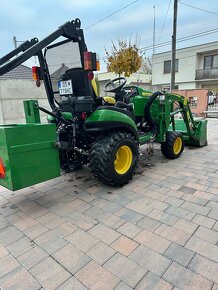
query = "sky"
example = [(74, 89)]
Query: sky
[(26, 19)]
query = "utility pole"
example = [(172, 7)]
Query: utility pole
[(154, 31), (173, 58), (15, 41)]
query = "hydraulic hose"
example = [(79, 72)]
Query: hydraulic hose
[(147, 113)]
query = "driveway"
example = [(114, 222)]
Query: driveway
[(160, 231)]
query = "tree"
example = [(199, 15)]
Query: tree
[(124, 58), (146, 66)]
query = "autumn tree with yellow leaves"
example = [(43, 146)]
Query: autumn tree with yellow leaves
[(124, 58)]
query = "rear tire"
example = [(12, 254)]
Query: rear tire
[(173, 147), (114, 157)]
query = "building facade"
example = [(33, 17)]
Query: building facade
[(196, 68)]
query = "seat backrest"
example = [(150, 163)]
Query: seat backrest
[(81, 84)]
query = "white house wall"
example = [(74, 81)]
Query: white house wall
[(190, 59), (12, 94)]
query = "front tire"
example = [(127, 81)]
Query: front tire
[(114, 157), (173, 147)]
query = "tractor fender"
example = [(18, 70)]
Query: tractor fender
[(107, 120)]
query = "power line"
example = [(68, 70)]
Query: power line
[(110, 15), (183, 38), (198, 8), (164, 21)]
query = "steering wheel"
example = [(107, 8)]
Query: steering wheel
[(115, 85)]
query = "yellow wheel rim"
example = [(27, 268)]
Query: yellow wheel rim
[(123, 159), (177, 147)]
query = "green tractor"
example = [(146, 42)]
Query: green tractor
[(103, 132)]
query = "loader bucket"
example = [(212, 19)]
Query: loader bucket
[(197, 137)]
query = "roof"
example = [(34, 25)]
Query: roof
[(20, 72)]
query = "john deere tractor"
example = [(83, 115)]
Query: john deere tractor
[(83, 128)]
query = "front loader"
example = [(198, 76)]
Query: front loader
[(83, 128)]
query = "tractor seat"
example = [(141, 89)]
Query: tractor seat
[(117, 109)]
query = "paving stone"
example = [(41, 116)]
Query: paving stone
[(32, 256), (35, 231), (49, 274), (3, 222), (104, 234), (196, 185), (9, 235), (213, 214), (95, 277), (179, 254), (21, 246), (204, 267), (149, 224), (65, 229), (203, 248), (140, 206), (82, 240), (159, 205), (100, 253), (16, 217), (46, 201), (8, 264), (110, 220), (50, 242), (19, 279), (195, 208), (186, 226), (79, 205), (195, 199), (180, 212), (128, 229), (215, 227), (124, 245), (207, 235), (85, 223), (3, 251), (150, 260), (50, 220), (32, 208), (204, 221), (25, 223), (8, 209), (93, 212), (152, 281), (123, 286), (129, 215), (173, 234), (212, 204), (152, 241), (71, 258), (174, 201), (185, 279), (163, 217), (124, 268), (72, 284)]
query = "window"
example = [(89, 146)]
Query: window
[(211, 61), (167, 66), (193, 102)]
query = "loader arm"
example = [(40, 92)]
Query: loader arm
[(70, 30), (194, 131)]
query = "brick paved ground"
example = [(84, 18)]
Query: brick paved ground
[(158, 232)]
